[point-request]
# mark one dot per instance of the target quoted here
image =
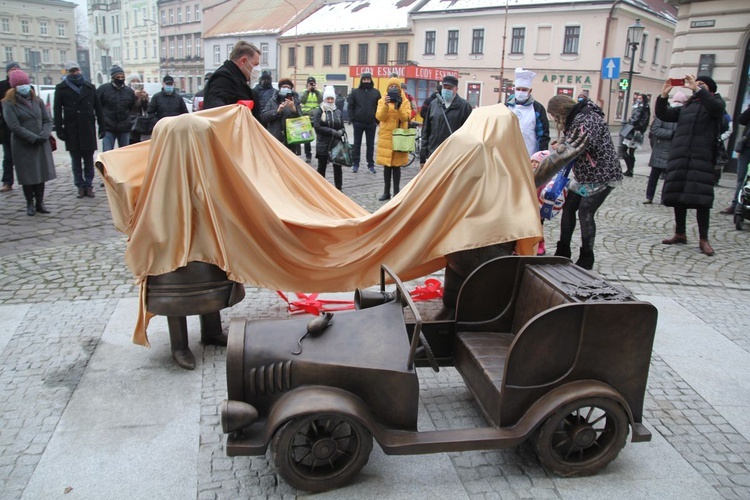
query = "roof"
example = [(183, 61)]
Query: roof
[(356, 15), (259, 17), (659, 7)]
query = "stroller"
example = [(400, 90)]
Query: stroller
[(742, 211)]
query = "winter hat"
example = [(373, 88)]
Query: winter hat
[(679, 98), (540, 155), (311, 79), (11, 65), (709, 82), (265, 76), (450, 80), (524, 78), (132, 77), (17, 78), (329, 91), (285, 81), (167, 79), (364, 75), (116, 70), (71, 65)]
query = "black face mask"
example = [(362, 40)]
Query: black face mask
[(118, 83), (366, 85), (265, 84), (77, 78)]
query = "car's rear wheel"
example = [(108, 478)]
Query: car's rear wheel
[(582, 437), (321, 452)]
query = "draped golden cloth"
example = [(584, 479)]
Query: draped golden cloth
[(216, 187)]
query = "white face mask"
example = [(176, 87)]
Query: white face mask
[(255, 72), (522, 97)]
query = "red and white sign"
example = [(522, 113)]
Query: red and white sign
[(418, 72)]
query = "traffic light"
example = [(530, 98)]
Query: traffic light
[(624, 83)]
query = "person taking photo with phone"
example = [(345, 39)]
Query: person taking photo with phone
[(283, 105)]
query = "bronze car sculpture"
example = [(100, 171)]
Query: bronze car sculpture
[(551, 353)]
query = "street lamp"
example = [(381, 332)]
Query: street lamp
[(296, 55), (635, 32)]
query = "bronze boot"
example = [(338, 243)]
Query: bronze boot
[(211, 332), (179, 342)]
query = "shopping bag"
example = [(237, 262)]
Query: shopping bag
[(340, 152), (144, 124), (299, 130), (404, 140), (552, 196)]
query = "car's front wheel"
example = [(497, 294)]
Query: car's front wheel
[(321, 452), (582, 437)]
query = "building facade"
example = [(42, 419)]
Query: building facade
[(40, 36), (140, 39), (181, 52), (106, 38)]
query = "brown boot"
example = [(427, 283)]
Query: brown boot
[(705, 247), (677, 238)]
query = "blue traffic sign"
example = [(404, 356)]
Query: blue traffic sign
[(611, 68)]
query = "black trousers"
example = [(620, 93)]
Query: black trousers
[(338, 177)]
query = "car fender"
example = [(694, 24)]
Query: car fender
[(580, 389), (315, 399)]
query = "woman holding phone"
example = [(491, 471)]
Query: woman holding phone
[(393, 112)]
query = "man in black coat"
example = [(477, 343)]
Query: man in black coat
[(231, 82), (5, 133), (167, 102), (77, 111), (264, 91), (446, 114), (692, 155), (118, 104), (363, 103)]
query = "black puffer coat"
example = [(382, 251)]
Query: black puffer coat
[(227, 86), (325, 124), (163, 105), (276, 121), (692, 155), (661, 140), (117, 106)]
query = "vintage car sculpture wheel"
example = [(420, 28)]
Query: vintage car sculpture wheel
[(321, 452), (582, 437)]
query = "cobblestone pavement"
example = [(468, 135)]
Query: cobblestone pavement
[(68, 268)]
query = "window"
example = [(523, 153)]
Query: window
[(429, 42), (477, 41), (104, 25), (46, 56), (61, 29), (197, 12), (657, 42), (344, 54), (135, 50), (145, 49), (179, 14), (382, 54), (63, 55), (217, 55), (9, 54), (171, 48), (309, 53), (362, 49), (171, 16), (189, 47), (6, 24), (27, 55), (43, 28), (452, 42), (187, 14), (229, 49), (572, 35), (24, 26), (163, 17), (292, 57), (180, 49), (264, 53), (163, 49), (402, 51), (115, 25), (327, 55), (518, 40), (643, 48), (135, 18), (197, 46)]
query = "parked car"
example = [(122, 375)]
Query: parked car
[(551, 353)]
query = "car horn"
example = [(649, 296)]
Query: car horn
[(364, 299)]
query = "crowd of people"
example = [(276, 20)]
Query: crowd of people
[(686, 134)]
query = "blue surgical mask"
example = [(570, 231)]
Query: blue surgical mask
[(447, 94), (285, 92), (169, 89), (522, 97), (23, 89)]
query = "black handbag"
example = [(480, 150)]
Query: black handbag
[(340, 152), (144, 124), (626, 130)]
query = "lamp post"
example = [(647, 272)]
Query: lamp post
[(635, 32), (296, 55)]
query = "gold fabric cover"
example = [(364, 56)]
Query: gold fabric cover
[(216, 187)]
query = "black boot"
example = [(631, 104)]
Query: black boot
[(586, 259), (396, 180), (28, 193), (387, 178), (39, 196), (563, 249)]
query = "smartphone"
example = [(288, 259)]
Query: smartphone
[(677, 82)]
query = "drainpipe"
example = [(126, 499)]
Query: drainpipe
[(604, 50)]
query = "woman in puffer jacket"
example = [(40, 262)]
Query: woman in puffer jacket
[(329, 128), (596, 172), (393, 112), (661, 135)]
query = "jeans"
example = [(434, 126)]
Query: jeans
[(743, 159), (122, 138), (83, 178), (337, 175), (7, 164), (369, 130), (702, 215), (585, 208)]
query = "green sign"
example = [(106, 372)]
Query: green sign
[(624, 84)]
